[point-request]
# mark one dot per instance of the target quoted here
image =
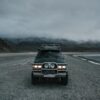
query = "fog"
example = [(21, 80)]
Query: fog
[(68, 19)]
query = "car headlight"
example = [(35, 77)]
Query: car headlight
[(61, 67), (37, 66)]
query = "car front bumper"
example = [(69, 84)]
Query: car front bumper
[(36, 74)]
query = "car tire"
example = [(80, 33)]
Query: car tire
[(64, 80), (33, 79)]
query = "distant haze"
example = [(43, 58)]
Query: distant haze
[(69, 19)]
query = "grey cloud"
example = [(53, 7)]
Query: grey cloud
[(70, 19)]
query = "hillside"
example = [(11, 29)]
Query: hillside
[(32, 44), (4, 47)]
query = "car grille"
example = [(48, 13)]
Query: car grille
[(49, 71)]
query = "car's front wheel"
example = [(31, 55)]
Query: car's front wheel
[(64, 80), (33, 78)]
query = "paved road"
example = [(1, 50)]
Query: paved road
[(15, 80)]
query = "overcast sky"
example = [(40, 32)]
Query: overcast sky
[(70, 19)]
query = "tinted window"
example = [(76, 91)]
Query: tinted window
[(49, 53), (49, 56)]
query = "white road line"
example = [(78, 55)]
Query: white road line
[(93, 62), (88, 60), (74, 55), (83, 59)]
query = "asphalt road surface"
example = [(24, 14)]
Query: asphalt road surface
[(15, 80)]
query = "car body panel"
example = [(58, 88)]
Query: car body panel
[(46, 57)]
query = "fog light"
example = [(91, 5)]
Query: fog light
[(52, 66)]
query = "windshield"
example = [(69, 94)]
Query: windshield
[(49, 55)]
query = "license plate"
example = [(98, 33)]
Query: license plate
[(49, 76)]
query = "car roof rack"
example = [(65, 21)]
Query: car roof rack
[(50, 47)]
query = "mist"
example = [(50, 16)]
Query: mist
[(68, 19)]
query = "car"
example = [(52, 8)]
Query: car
[(50, 63)]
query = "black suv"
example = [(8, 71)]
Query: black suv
[(49, 63)]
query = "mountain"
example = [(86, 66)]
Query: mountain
[(33, 43), (4, 47)]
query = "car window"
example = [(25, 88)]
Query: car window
[(49, 53)]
